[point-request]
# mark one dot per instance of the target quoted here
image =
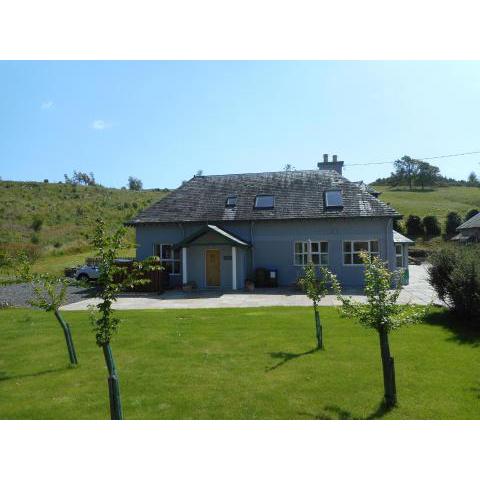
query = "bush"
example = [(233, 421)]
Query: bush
[(414, 226), (453, 221), (471, 213), (455, 275), (35, 239), (12, 250), (431, 226), (37, 223)]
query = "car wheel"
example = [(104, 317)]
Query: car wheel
[(83, 277)]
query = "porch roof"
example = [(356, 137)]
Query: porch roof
[(229, 237), (399, 238)]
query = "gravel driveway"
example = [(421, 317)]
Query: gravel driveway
[(18, 294)]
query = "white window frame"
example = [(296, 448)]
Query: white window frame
[(352, 251), (400, 255), (172, 260), (308, 252)]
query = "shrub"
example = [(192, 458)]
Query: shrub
[(35, 239), (455, 275), (37, 223), (414, 226), (431, 226), (13, 250), (471, 213), (453, 221)]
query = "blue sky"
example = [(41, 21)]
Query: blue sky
[(163, 121)]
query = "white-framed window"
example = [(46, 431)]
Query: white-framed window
[(317, 250), (399, 255), (169, 258), (353, 248)]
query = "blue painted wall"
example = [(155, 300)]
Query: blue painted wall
[(273, 246)]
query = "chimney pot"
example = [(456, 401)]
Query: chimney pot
[(335, 157), (325, 157)]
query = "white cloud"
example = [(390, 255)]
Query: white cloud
[(47, 104), (100, 125)]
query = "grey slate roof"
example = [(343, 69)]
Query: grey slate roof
[(399, 238), (473, 222), (298, 195), (233, 239)]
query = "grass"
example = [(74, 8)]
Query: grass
[(235, 364), (438, 201)]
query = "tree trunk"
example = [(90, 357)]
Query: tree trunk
[(113, 384), (388, 369), (319, 330), (68, 338)]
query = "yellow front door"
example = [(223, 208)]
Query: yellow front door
[(212, 268)]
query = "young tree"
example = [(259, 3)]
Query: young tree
[(288, 168), (134, 184), (426, 174), (382, 313), (112, 280), (48, 294), (452, 223), (316, 287), (431, 226)]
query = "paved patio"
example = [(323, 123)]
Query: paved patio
[(418, 292)]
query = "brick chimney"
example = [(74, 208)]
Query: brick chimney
[(334, 165)]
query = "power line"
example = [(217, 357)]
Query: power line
[(425, 158)]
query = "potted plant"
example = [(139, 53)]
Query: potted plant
[(249, 285)]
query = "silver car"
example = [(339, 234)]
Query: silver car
[(87, 272)]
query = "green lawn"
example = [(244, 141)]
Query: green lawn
[(235, 364)]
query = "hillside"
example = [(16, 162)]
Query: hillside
[(438, 201), (51, 220)]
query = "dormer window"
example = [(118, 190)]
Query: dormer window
[(334, 199), (263, 202), (231, 202)]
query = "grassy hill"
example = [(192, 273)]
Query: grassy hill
[(438, 201), (50, 220)]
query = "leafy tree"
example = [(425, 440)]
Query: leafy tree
[(473, 179), (80, 178), (316, 287), (406, 170), (134, 184), (382, 313), (431, 226), (426, 174), (452, 223), (199, 173), (112, 280), (48, 294), (471, 213), (288, 167), (414, 226)]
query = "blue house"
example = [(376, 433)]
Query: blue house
[(216, 230)]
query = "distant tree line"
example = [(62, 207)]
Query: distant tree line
[(417, 173)]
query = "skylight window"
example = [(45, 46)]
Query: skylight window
[(231, 202), (334, 199), (264, 201)]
